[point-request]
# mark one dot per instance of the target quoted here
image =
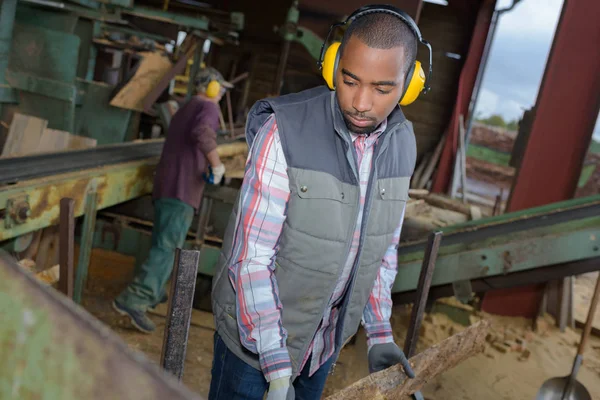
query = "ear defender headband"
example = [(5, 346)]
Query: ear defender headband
[(415, 82)]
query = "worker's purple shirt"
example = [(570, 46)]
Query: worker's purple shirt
[(191, 136)]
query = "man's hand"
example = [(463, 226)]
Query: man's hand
[(384, 355), (281, 389), (215, 174)]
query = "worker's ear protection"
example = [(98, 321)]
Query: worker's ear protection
[(415, 82), (213, 89)]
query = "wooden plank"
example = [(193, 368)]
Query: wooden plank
[(393, 384), (152, 68), (24, 135), (55, 140), (66, 243)]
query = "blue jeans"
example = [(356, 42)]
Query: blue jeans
[(233, 379)]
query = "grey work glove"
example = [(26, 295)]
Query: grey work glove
[(281, 389), (385, 355)]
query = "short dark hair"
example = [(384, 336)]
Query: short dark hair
[(383, 31)]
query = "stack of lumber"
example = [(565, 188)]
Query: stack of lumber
[(30, 135), (427, 211)]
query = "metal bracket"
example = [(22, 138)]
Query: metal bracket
[(463, 290), (17, 210)]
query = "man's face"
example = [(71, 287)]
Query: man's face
[(369, 83)]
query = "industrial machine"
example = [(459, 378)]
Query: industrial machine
[(63, 63)]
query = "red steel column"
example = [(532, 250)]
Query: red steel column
[(565, 112), (466, 84), (565, 116)]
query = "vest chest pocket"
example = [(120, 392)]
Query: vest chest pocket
[(320, 205), (388, 205)]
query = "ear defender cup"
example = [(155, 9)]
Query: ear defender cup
[(213, 89), (413, 85), (330, 63)]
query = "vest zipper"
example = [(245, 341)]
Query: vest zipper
[(368, 201)]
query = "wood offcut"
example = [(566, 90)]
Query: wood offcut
[(393, 384), (151, 70)]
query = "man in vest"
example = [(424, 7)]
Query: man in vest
[(189, 158), (310, 252)]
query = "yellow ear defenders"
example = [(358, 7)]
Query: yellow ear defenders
[(212, 89), (415, 82)]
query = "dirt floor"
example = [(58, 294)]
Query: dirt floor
[(516, 361)]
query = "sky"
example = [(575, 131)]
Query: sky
[(518, 58)]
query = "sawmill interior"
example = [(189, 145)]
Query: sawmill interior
[(496, 282)]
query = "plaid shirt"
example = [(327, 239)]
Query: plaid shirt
[(264, 195)]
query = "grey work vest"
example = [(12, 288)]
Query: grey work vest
[(321, 218)]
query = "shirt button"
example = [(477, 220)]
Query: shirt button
[(383, 191), (303, 189), (342, 195)]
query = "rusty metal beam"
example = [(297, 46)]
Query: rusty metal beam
[(115, 184), (52, 348), (466, 84)]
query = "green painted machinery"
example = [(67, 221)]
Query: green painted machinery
[(48, 56)]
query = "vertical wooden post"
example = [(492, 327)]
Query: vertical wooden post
[(179, 313), (66, 246)]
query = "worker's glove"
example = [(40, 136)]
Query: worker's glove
[(281, 389), (385, 355), (215, 174)]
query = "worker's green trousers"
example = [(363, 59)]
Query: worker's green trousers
[(172, 220)]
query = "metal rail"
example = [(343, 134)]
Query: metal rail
[(18, 169), (539, 217)]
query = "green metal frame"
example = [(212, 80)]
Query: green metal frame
[(89, 224), (506, 254), (53, 349)]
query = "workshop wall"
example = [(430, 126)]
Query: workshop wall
[(447, 28)]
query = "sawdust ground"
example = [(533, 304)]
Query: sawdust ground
[(491, 375)]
